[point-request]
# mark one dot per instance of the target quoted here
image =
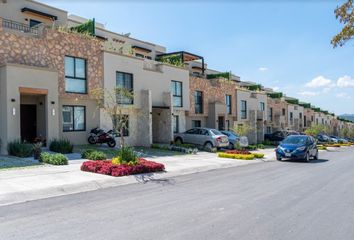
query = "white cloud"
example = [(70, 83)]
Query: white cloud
[(308, 93), (262, 69), (275, 88), (345, 82), (326, 90), (343, 95), (318, 82)]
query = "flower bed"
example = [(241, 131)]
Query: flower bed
[(117, 170), (241, 156), (237, 152)]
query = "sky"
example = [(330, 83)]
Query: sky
[(284, 45)]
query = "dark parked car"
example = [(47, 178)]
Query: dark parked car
[(297, 147), (323, 138), (279, 136)]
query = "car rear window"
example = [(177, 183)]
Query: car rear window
[(215, 132)]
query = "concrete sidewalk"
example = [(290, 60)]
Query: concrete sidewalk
[(21, 185)]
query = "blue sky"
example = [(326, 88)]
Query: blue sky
[(280, 44)]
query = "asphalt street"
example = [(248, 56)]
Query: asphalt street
[(271, 200)]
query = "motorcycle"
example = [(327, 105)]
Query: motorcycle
[(98, 135)]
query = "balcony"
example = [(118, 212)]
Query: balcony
[(151, 65), (20, 27)]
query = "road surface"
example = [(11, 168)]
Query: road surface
[(272, 200)]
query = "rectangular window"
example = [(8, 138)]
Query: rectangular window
[(300, 118), (125, 81), (283, 111), (175, 124), (34, 23), (74, 118), (262, 106), (198, 100), (291, 117), (123, 123), (139, 55), (176, 89), (243, 109), (75, 75), (305, 123), (228, 99), (269, 130), (196, 123), (311, 118), (270, 114)]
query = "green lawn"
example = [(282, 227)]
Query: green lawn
[(7, 162)]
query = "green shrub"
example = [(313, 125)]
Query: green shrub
[(19, 149), (258, 155), (86, 153), (61, 146), (54, 159), (252, 147), (260, 146), (127, 155), (97, 155), (237, 156)]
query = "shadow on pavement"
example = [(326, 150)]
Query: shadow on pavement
[(302, 161), (145, 178)]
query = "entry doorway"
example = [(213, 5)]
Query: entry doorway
[(221, 123), (28, 113)]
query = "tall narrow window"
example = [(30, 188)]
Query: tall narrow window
[(75, 75), (125, 81), (74, 118), (300, 118), (262, 106), (175, 124), (228, 104), (305, 121), (283, 111), (291, 117), (198, 100), (176, 89), (243, 109), (270, 117)]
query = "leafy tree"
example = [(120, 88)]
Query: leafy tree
[(242, 129), (316, 129), (345, 14), (113, 103)]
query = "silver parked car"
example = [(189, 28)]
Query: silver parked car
[(207, 137)]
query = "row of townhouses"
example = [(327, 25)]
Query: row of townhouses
[(47, 74)]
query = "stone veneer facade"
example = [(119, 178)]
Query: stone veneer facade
[(279, 121), (49, 49), (214, 92)]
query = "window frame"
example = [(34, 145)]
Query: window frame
[(243, 111), (175, 123), (74, 77), (270, 115), (132, 87), (73, 118), (228, 103), (262, 106), (175, 83), (193, 123), (196, 103)]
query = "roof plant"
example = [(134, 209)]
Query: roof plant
[(292, 101), (305, 105), (256, 87), (175, 60), (275, 95), (87, 27), (226, 75)]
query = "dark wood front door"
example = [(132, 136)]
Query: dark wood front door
[(28, 122), (221, 123)]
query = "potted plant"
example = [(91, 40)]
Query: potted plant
[(37, 150)]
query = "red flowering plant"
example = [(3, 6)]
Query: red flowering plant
[(237, 152), (126, 163)]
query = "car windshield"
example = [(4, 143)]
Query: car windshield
[(215, 132), (295, 140)]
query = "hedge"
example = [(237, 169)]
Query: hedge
[(241, 156)]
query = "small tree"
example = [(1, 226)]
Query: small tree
[(113, 103), (345, 14), (316, 129)]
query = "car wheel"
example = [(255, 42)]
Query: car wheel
[(307, 157), (279, 159), (208, 146), (231, 146), (112, 143), (316, 155), (178, 141)]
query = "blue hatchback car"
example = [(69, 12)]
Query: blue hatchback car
[(297, 147)]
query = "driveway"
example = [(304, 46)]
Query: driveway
[(272, 200)]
